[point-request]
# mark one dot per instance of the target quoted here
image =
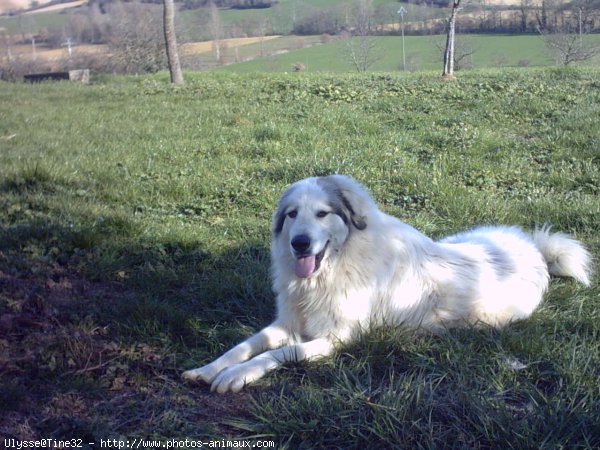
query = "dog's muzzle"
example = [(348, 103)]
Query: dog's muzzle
[(306, 262), (301, 244)]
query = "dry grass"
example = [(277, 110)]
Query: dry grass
[(54, 57), (194, 48), (18, 5), (59, 7)]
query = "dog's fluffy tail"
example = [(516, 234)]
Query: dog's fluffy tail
[(566, 257)]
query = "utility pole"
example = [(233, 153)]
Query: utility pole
[(402, 11), (580, 29), (69, 44)]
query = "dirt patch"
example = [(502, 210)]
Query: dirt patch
[(7, 6), (65, 373), (51, 56), (59, 7), (205, 47)]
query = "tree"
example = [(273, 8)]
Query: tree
[(464, 48), (567, 40), (171, 42), (135, 38), (569, 48), (448, 72), (587, 13), (361, 48), (525, 7), (216, 31)]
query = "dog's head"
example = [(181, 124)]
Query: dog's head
[(314, 218)]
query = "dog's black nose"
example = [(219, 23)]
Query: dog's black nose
[(301, 243)]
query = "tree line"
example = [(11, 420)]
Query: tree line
[(133, 29), (194, 4), (88, 24)]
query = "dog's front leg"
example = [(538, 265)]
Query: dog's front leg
[(270, 337), (235, 377)]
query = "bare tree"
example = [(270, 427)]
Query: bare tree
[(135, 37), (569, 48), (546, 15), (262, 27), (464, 48), (216, 31), (448, 72), (525, 7), (171, 42), (360, 46), (566, 39), (587, 13)]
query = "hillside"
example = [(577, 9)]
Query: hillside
[(135, 222), (7, 6)]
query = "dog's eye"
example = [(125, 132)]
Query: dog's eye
[(292, 214), (322, 214)]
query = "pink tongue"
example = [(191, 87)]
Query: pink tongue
[(305, 266)]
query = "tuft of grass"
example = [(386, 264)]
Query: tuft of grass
[(134, 244)]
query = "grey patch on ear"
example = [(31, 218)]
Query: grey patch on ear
[(358, 221), (348, 199), (278, 220), (279, 216)]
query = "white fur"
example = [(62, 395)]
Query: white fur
[(377, 269)]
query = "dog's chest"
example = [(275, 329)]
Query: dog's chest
[(331, 314)]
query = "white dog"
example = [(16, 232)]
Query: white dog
[(340, 265)]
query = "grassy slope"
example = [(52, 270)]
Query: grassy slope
[(134, 227), (421, 54)]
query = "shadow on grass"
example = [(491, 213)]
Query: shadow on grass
[(97, 325)]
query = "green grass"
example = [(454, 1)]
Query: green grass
[(134, 236), (422, 53)]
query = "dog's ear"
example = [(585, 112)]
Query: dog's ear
[(351, 199), (278, 219), (279, 215)]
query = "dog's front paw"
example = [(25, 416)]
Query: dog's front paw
[(234, 378), (205, 373)]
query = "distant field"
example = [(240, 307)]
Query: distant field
[(422, 53), (281, 54), (134, 244), (330, 54), (199, 53), (282, 17)]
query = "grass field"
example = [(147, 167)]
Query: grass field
[(318, 54), (422, 53), (134, 236)]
